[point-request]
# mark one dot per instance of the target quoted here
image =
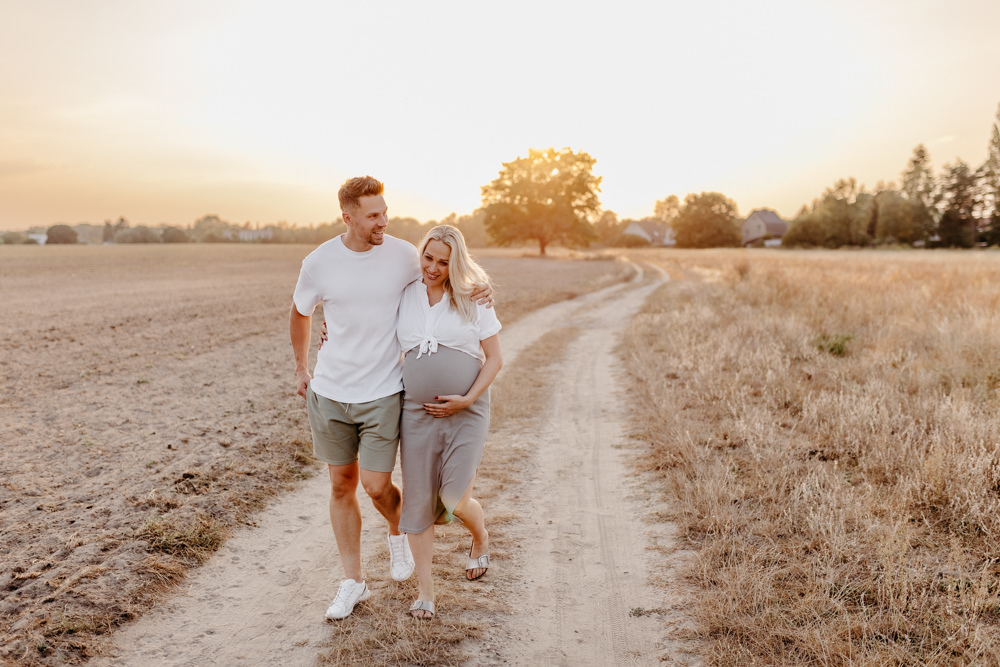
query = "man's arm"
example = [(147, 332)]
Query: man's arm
[(300, 330)]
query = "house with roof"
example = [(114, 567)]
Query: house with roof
[(252, 235), (763, 225), (657, 234)]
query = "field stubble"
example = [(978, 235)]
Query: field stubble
[(149, 409), (826, 430)]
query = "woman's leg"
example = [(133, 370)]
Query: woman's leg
[(422, 548), (471, 513)]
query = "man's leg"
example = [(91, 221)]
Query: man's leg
[(387, 499), (385, 496), (345, 517)]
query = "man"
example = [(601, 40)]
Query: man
[(355, 398)]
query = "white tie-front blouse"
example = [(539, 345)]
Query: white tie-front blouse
[(425, 327)]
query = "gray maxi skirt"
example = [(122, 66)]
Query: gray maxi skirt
[(439, 456)]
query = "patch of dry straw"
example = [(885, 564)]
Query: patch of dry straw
[(845, 502)]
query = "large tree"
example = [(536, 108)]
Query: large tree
[(173, 235), (843, 216), (957, 200), (899, 219), (549, 196), (706, 220), (918, 179), (212, 229), (667, 209)]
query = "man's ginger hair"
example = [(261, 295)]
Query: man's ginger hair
[(355, 188)]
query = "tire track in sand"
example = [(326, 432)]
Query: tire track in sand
[(585, 559)]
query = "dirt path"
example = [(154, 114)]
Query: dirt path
[(258, 600), (590, 567)]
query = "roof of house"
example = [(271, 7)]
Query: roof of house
[(656, 233), (774, 225), (653, 229)]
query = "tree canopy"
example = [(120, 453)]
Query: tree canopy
[(667, 209), (549, 196), (845, 215), (918, 179), (706, 220), (61, 234), (957, 200), (899, 219)]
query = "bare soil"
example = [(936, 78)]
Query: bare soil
[(149, 416), (573, 559)]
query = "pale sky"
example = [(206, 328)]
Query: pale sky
[(165, 110)]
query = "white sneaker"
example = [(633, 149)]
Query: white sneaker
[(349, 594), (400, 558)]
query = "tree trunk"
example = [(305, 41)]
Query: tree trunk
[(541, 247)]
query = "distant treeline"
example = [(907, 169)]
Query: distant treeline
[(960, 207), (551, 197), (212, 229)]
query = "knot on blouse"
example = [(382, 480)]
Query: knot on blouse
[(428, 346)]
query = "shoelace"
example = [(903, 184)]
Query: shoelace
[(398, 550), (342, 594)]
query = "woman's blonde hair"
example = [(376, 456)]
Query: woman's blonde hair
[(463, 272)]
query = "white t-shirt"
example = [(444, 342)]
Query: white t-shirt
[(360, 293), (424, 326)]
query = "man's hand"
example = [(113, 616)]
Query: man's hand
[(302, 379), (483, 295)]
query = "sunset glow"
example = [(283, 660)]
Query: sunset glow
[(256, 111)]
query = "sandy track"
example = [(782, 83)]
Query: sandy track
[(589, 568), (260, 599)]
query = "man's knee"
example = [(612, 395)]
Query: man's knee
[(343, 481), (378, 485)]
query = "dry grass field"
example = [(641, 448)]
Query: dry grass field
[(824, 427), (148, 405)]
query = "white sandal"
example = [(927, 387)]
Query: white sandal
[(422, 605), (480, 562)]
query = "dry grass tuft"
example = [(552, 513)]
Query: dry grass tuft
[(195, 537), (844, 499)]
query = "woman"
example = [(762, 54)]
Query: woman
[(452, 348)]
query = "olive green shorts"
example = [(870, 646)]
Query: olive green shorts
[(347, 432)]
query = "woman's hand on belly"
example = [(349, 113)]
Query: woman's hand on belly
[(447, 406)]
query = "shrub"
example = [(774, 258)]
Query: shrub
[(835, 344), (61, 234)]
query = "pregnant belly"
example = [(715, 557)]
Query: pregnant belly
[(446, 372)]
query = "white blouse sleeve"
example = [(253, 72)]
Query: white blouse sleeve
[(488, 323)]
